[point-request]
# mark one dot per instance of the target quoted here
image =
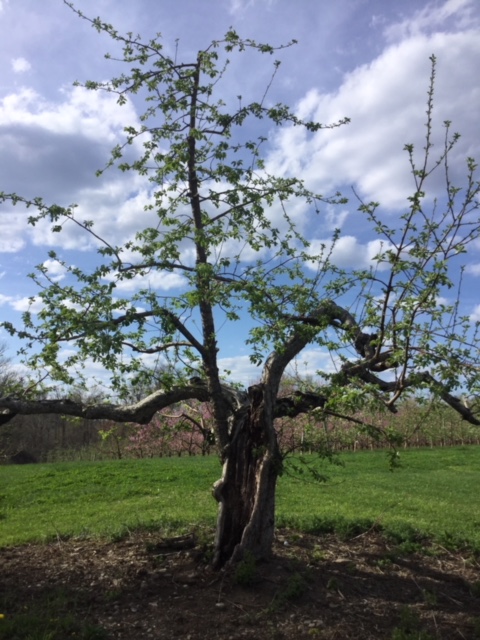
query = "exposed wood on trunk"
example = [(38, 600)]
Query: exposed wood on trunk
[(246, 491)]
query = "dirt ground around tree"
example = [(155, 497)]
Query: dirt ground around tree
[(144, 587)]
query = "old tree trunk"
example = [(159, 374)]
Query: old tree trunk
[(252, 464), (246, 491)]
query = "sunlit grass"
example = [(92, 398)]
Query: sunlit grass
[(434, 492), (102, 498)]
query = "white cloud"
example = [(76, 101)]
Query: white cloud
[(458, 14), (91, 114), (56, 271), (475, 315), (237, 6), (157, 280), (89, 369), (386, 102), (12, 227), (240, 6), (116, 205), (20, 65), (53, 150), (348, 252), (240, 369), (474, 269), (310, 361), (335, 218), (27, 304)]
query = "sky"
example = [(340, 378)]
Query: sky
[(367, 60)]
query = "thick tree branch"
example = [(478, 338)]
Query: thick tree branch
[(129, 318), (140, 412), (330, 314), (159, 349), (297, 403), (454, 402)]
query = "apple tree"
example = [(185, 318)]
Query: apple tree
[(220, 220)]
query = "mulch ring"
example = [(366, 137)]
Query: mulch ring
[(146, 587)]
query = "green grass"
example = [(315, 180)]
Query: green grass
[(435, 493), (38, 502)]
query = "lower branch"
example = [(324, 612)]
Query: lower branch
[(141, 412)]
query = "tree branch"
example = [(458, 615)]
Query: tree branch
[(330, 314), (170, 266), (140, 412), (297, 403), (128, 318), (456, 404)]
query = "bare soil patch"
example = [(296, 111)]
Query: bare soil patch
[(146, 588)]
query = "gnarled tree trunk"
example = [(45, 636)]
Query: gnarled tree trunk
[(246, 491), (252, 463)]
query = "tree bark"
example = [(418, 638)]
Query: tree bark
[(246, 491)]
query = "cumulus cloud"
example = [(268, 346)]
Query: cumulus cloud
[(240, 369), (308, 363), (52, 150), (20, 65), (385, 100), (157, 280), (475, 315), (349, 252), (311, 361), (473, 269), (89, 369), (12, 227), (458, 14), (114, 203), (33, 305), (91, 114), (56, 271)]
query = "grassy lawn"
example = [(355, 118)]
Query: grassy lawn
[(38, 502), (434, 491)]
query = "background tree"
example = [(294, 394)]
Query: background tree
[(221, 221), (8, 377)]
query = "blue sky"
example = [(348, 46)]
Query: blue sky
[(364, 59)]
